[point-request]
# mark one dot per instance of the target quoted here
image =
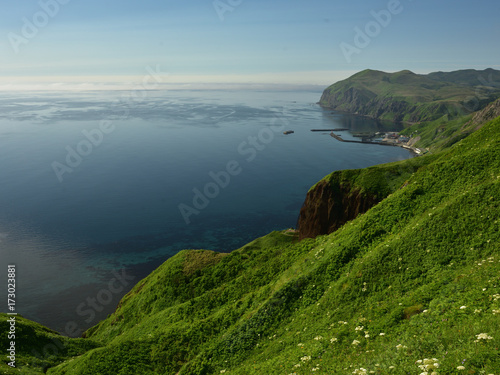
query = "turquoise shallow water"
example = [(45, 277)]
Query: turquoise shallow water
[(93, 186)]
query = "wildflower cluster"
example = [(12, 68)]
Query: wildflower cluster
[(319, 253), (483, 336), (360, 371), (427, 365)]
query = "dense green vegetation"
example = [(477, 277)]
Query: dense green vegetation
[(445, 132), (379, 180), (415, 278), (469, 77), (408, 97), (37, 347), (410, 287), (441, 133)]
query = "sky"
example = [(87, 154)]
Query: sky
[(313, 42)]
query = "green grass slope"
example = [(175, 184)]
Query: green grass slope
[(441, 133), (411, 286), (408, 97), (469, 77), (445, 132), (37, 347)]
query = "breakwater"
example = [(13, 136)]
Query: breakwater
[(329, 130), (416, 151)]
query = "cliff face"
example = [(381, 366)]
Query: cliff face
[(329, 205), (343, 195), (365, 103)]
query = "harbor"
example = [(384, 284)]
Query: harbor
[(390, 139)]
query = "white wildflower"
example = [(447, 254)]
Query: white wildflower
[(360, 371), (484, 336)]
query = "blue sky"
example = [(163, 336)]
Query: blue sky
[(245, 41)]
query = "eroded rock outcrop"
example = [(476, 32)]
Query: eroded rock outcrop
[(343, 195), (329, 205)]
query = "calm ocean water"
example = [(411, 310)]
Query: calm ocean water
[(97, 190)]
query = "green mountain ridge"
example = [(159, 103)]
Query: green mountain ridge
[(410, 98), (410, 286)]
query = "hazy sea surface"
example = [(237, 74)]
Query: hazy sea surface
[(92, 184)]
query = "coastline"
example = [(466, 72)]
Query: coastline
[(385, 142)]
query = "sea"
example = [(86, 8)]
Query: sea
[(98, 188)]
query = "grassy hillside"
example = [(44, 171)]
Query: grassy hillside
[(408, 97), (443, 132), (469, 77), (37, 347), (344, 195), (412, 284)]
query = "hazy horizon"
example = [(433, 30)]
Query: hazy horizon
[(71, 45)]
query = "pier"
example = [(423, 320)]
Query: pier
[(416, 151), (339, 138), (329, 130)]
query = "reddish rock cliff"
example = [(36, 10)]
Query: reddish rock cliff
[(329, 205)]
